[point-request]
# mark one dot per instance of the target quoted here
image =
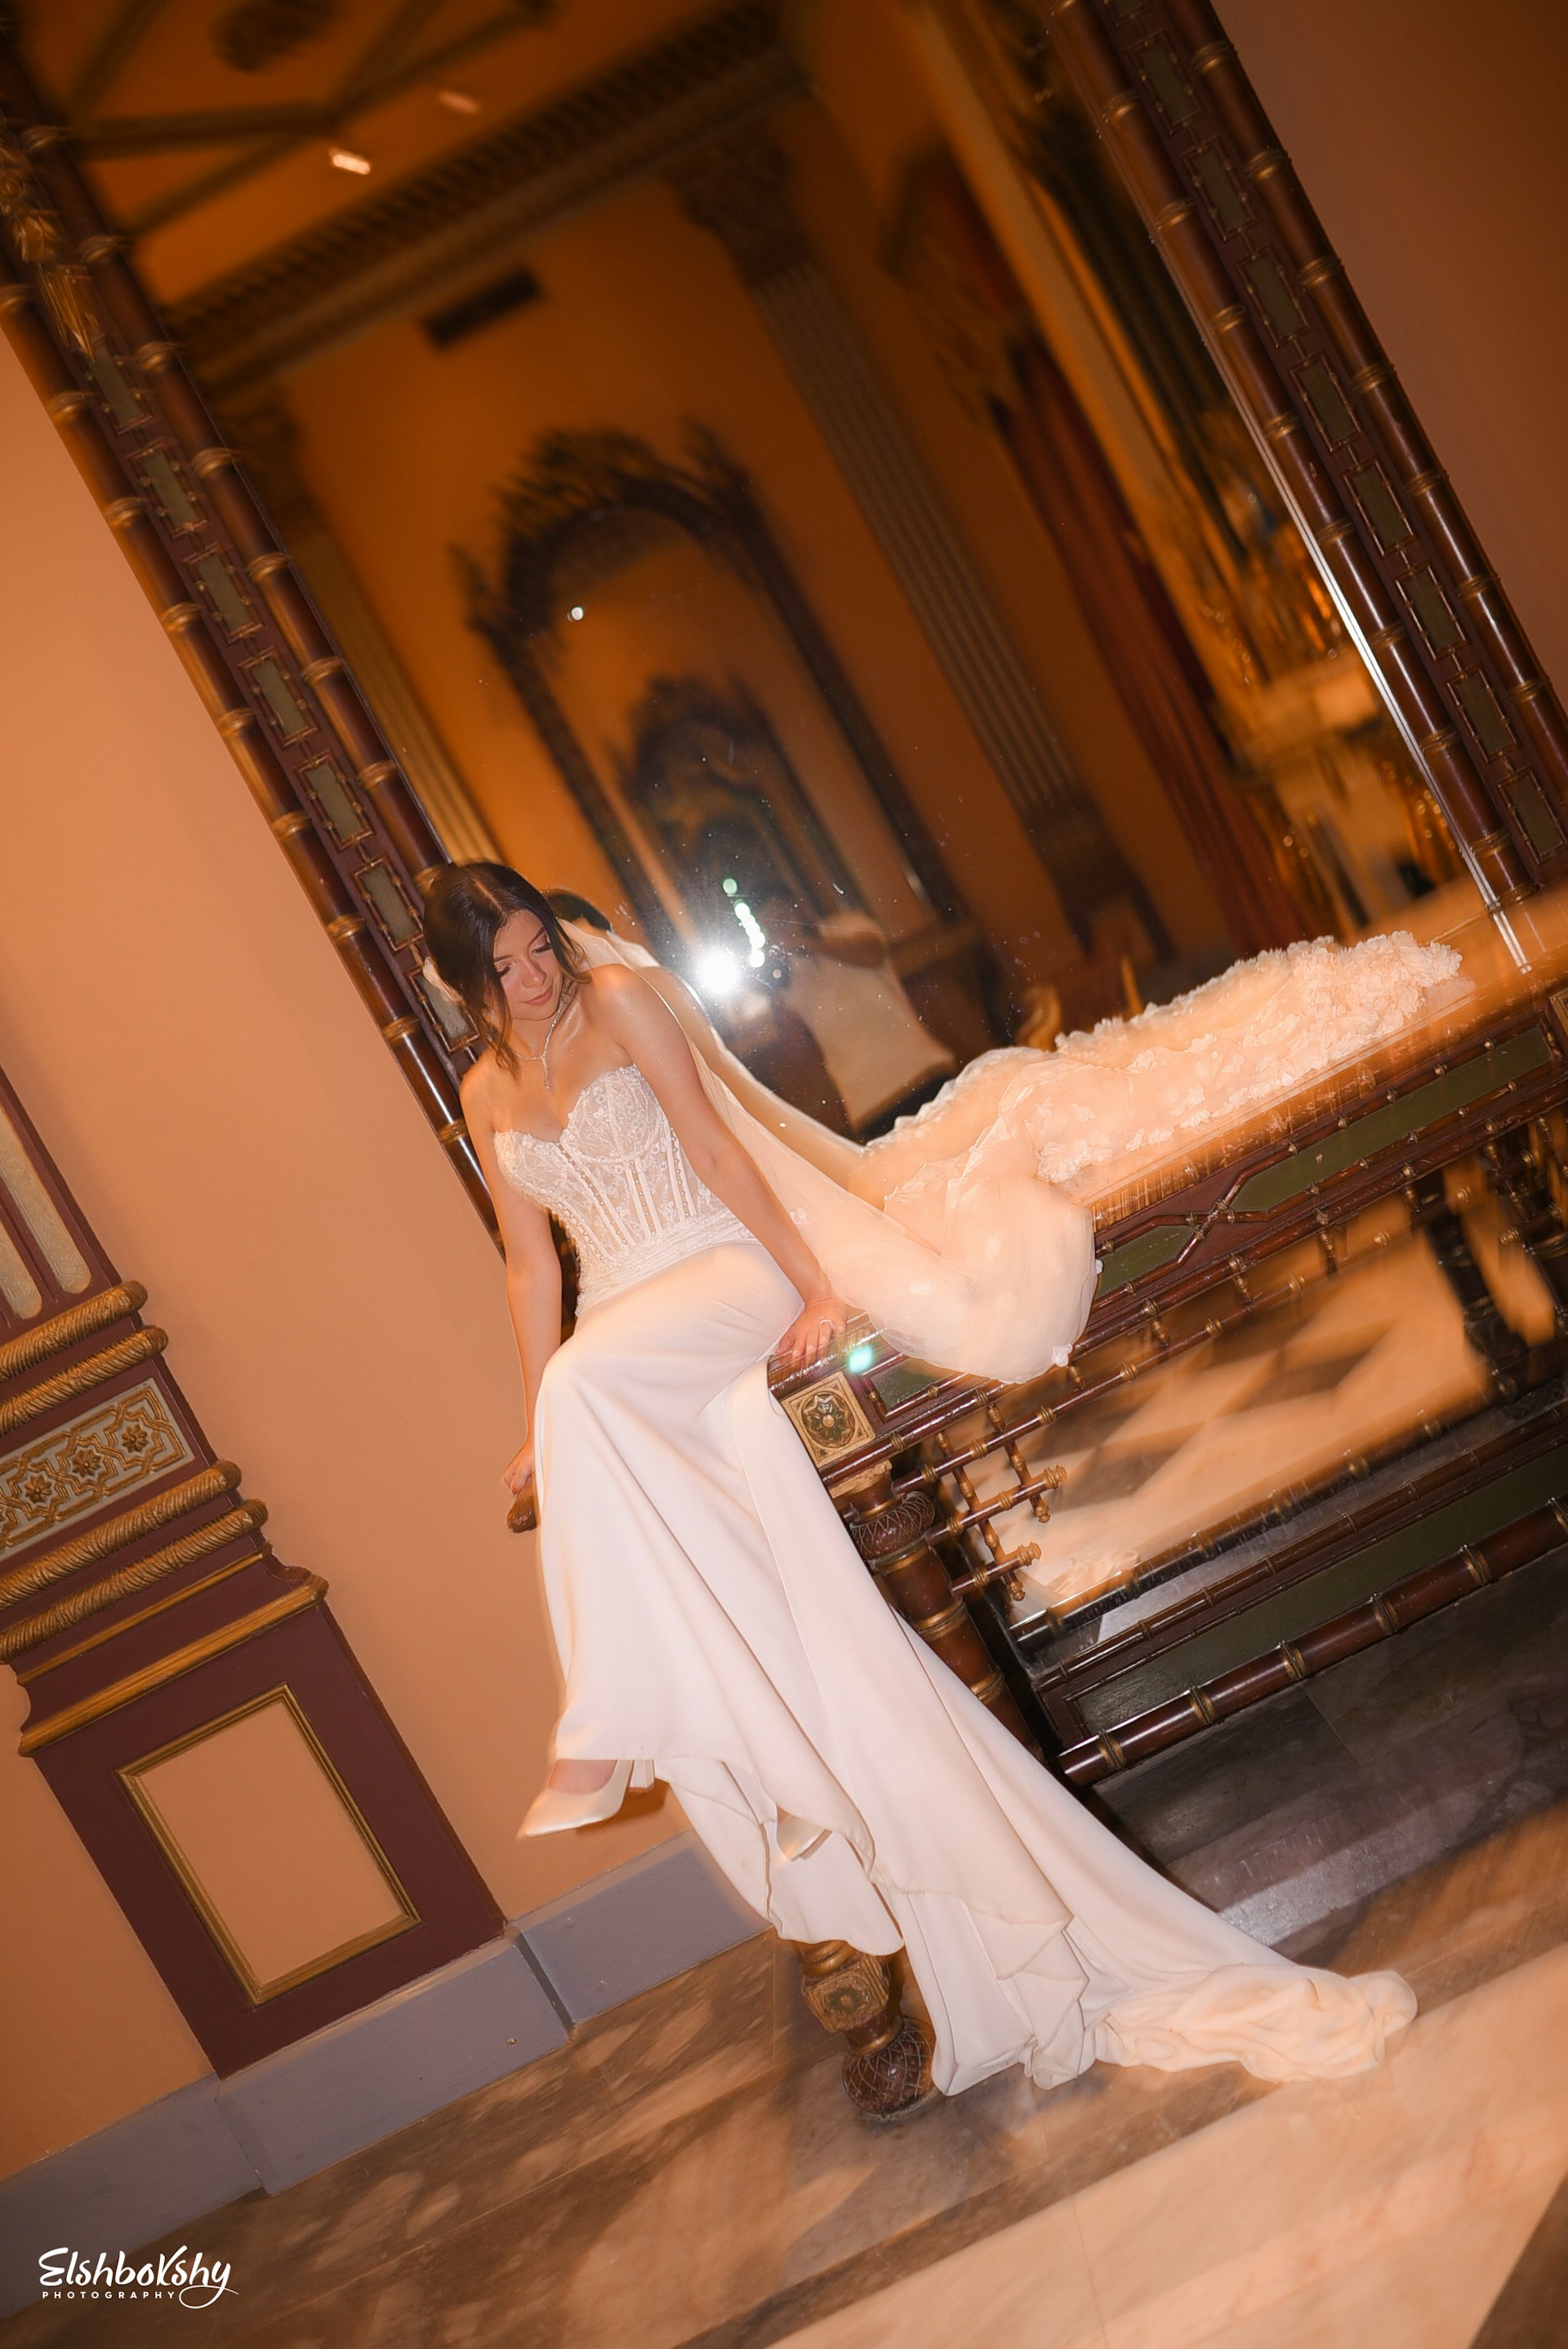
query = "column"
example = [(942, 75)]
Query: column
[(737, 188)]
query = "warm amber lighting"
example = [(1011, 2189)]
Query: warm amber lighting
[(460, 101), (343, 159)]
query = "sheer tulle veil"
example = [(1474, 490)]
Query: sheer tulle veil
[(965, 1232)]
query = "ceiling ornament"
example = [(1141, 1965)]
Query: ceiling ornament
[(256, 33), (36, 239)]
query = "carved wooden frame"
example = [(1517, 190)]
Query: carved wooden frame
[(225, 590), (1272, 303)]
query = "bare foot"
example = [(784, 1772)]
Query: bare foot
[(579, 1777)]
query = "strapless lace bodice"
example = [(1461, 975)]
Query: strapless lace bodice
[(620, 1182)]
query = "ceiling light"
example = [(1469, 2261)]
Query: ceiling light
[(343, 159), (575, 612), (460, 101)]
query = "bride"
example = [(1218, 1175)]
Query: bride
[(716, 1626)]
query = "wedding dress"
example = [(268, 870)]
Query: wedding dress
[(714, 1618)]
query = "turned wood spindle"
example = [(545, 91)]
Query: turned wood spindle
[(889, 1531), (887, 2060)]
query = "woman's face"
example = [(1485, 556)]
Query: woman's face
[(526, 970)]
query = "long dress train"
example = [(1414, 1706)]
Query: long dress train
[(713, 1617), (965, 1231)]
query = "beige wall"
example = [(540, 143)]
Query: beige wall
[(1430, 136), (178, 1026), (643, 327), (853, 152)]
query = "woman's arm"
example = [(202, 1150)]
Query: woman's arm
[(832, 1153), (642, 1024), (533, 1280)]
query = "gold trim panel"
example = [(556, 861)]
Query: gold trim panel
[(33, 1401), (29, 1673), (32, 1631), (118, 1532), (78, 1321), (171, 1667), (257, 1992), (112, 1448)]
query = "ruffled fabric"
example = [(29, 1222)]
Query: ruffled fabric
[(964, 1233), (1131, 1087)]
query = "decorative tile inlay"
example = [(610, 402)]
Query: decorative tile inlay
[(829, 1420), (120, 1442)]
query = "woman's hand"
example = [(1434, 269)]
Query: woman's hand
[(815, 1331), (518, 1477)]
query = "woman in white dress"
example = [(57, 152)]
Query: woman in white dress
[(716, 1626)]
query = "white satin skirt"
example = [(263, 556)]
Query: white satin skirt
[(713, 1618)]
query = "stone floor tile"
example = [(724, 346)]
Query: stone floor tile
[(1027, 2289)]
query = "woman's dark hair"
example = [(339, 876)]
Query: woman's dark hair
[(573, 908), (465, 908)]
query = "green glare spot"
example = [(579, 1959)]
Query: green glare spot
[(732, 888), (860, 1358)]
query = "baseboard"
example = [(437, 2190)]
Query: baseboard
[(374, 2073), (640, 1925), (163, 2167)]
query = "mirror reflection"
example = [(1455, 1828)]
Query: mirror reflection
[(824, 544), (772, 494)]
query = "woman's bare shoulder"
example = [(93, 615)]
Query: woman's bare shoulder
[(474, 1087), (612, 982), (616, 1000), (627, 1007)]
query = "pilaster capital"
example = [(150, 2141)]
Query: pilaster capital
[(738, 188)]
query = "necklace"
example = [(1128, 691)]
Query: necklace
[(568, 994)]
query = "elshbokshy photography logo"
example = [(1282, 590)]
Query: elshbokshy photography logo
[(182, 2275)]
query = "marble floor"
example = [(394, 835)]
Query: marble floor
[(1296, 1817), (1393, 2210), (688, 2175)]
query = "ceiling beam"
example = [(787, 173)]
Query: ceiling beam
[(221, 126), (111, 50), (326, 122), (194, 193), (443, 228), (387, 46)]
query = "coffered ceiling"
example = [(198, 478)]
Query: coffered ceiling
[(213, 129)]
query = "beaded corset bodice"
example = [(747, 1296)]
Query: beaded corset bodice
[(620, 1182)]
